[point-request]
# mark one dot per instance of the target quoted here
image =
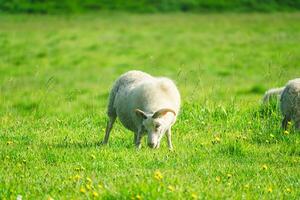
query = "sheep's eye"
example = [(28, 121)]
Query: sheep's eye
[(157, 126)]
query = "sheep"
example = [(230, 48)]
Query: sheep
[(144, 104), (272, 95), (290, 103)]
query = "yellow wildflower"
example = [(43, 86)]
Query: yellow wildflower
[(246, 186), (82, 190), (270, 190), (194, 196), (76, 177), (9, 142), (89, 187), (93, 156), (286, 132), (95, 194), (288, 190), (89, 180), (218, 178), (171, 188), (157, 175), (138, 197), (264, 167), (229, 176)]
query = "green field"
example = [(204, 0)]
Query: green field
[(55, 76)]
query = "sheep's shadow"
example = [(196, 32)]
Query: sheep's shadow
[(79, 145), (84, 145)]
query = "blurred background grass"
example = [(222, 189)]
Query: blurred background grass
[(141, 6)]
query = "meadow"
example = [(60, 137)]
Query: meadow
[(55, 75)]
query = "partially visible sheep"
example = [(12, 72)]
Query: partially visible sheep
[(290, 103), (272, 95), (144, 104)]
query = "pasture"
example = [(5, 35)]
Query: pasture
[(55, 76)]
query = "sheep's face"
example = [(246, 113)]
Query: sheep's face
[(155, 125)]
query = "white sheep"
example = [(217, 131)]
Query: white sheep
[(272, 95), (290, 103), (144, 104)]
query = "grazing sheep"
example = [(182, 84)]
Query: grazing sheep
[(144, 104), (272, 94), (290, 103)]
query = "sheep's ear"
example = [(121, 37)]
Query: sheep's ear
[(162, 112), (140, 113)]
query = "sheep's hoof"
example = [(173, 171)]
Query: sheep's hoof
[(103, 143)]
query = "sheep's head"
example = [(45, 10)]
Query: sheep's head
[(156, 124)]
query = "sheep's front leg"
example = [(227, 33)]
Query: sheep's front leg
[(285, 122), (138, 138), (109, 126), (297, 125), (169, 137)]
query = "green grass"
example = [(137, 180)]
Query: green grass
[(146, 6), (55, 76)]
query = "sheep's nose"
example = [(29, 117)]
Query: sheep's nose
[(151, 145)]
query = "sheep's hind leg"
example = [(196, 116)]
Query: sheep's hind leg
[(109, 126), (169, 137)]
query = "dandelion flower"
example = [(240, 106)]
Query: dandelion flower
[(289, 123), (218, 178), (157, 175), (288, 190), (229, 176), (246, 186), (138, 197), (286, 132), (270, 190), (95, 194), (194, 196), (82, 190), (9, 142), (89, 187), (217, 139), (89, 180), (76, 177), (264, 167), (171, 188)]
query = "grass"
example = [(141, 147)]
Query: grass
[(55, 75)]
